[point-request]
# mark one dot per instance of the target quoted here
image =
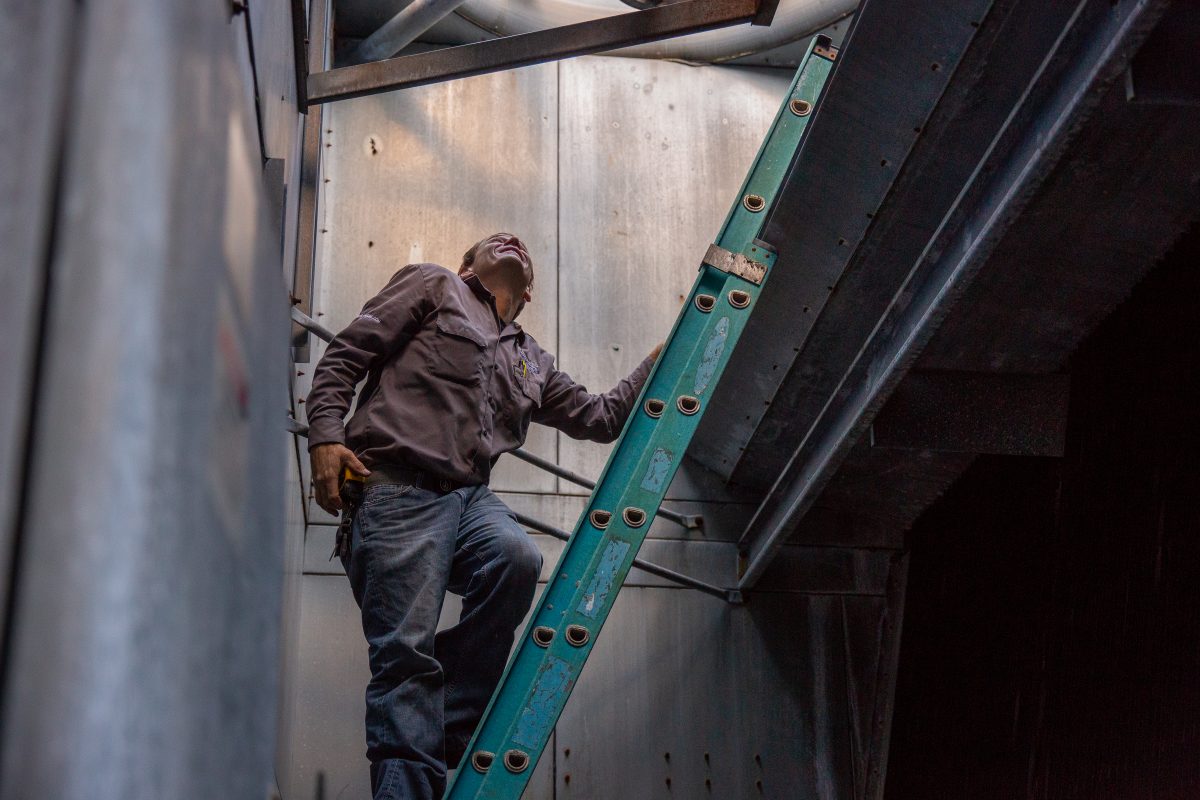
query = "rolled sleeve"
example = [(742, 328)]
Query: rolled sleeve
[(569, 407)]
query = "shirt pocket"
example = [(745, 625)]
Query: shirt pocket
[(457, 349), (531, 387)]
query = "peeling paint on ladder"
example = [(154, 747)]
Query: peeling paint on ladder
[(712, 356), (602, 581), (540, 712)]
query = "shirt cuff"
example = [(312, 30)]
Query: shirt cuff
[(640, 373), (325, 430)]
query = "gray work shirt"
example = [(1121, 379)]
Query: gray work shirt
[(448, 390)]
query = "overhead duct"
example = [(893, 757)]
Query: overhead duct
[(410, 22), (474, 20)]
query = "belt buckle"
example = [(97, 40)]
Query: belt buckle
[(444, 485)]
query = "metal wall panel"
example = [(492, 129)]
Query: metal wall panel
[(34, 37), (685, 697), (652, 154), (271, 34), (290, 653), (681, 686), (423, 174), (145, 621)]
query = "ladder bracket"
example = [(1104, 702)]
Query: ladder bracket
[(736, 264)]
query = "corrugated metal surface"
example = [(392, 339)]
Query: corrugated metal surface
[(143, 655), (34, 34)]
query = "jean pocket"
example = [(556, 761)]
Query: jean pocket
[(382, 492)]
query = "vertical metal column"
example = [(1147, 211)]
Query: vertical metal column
[(303, 274), (584, 585), (142, 654), (36, 47)]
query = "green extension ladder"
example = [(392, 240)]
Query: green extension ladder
[(584, 585)]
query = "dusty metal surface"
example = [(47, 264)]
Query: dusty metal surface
[(630, 237), (142, 656), (688, 726), (973, 412), (883, 89), (1121, 195), (673, 651), (35, 100), (308, 187), (1093, 48), (270, 23)]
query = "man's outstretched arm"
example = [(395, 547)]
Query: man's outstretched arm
[(386, 322), (568, 406)]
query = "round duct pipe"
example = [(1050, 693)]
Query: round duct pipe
[(794, 19)]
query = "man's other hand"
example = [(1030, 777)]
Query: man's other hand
[(328, 461)]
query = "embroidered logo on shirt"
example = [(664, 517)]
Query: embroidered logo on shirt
[(525, 365)]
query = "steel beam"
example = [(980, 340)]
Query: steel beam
[(303, 271), (691, 521), (300, 52), (1093, 48), (583, 38), (728, 595)]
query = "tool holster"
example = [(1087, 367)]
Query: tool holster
[(351, 492)]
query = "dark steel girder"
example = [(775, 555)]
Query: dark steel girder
[(303, 271), (1094, 46), (495, 55)]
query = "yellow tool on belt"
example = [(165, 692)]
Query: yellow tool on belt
[(351, 491)]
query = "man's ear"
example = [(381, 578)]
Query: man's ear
[(527, 296)]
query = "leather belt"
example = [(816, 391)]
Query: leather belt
[(407, 476)]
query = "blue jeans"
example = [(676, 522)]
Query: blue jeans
[(428, 690)]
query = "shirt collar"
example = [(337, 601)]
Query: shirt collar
[(485, 294)]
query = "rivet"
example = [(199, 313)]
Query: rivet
[(516, 761)]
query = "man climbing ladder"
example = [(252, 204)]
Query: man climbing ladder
[(452, 382), (583, 586)]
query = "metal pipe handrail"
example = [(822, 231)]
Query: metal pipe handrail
[(732, 596), (310, 324), (729, 595), (690, 521)]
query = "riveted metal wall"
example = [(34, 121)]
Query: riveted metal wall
[(143, 648), (617, 173), (652, 154)]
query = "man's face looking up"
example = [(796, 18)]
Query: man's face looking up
[(502, 264)]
